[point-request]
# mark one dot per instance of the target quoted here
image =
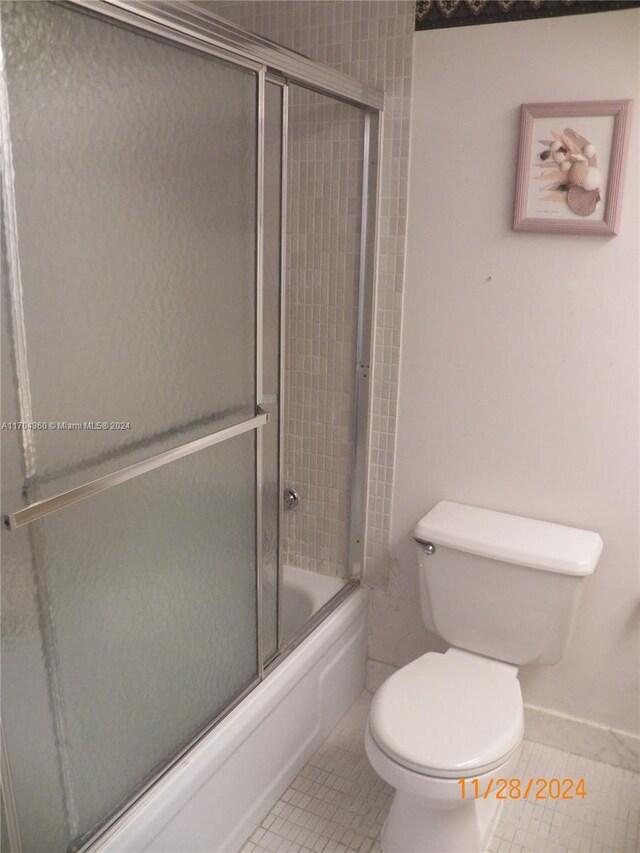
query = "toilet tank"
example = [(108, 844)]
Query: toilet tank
[(502, 585)]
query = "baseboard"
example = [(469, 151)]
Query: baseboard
[(580, 737)]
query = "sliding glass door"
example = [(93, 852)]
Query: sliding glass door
[(151, 157), (132, 309)]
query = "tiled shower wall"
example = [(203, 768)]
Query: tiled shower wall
[(373, 42), (323, 230)]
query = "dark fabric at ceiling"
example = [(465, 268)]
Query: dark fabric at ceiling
[(433, 14)]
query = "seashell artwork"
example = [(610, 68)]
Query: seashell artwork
[(571, 160), (578, 172), (575, 180), (581, 201), (593, 180)]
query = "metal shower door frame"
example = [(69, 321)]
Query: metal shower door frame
[(187, 24)]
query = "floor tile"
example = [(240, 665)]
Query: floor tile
[(337, 803)]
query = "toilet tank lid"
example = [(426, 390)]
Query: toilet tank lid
[(511, 538)]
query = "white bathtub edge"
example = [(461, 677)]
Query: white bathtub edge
[(188, 806)]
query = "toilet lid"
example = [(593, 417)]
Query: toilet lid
[(452, 715)]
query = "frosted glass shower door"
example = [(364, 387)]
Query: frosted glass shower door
[(130, 329)]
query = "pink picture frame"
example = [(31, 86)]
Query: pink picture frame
[(571, 161)]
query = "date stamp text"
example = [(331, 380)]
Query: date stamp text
[(523, 789)]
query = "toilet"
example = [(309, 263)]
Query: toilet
[(502, 591)]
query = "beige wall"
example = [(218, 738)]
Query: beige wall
[(519, 364)]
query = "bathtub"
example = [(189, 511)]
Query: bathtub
[(304, 594), (212, 799)]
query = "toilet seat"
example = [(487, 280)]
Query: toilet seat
[(452, 715)]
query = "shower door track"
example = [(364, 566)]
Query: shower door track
[(185, 22)]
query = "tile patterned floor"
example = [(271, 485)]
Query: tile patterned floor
[(337, 804), (604, 821)]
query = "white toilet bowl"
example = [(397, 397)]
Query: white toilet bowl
[(502, 591), (436, 721)]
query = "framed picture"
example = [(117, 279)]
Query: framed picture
[(571, 166)]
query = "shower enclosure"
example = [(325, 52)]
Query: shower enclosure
[(187, 264)]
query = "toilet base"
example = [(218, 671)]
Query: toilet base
[(415, 826)]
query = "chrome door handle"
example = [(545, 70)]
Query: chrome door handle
[(45, 507)]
